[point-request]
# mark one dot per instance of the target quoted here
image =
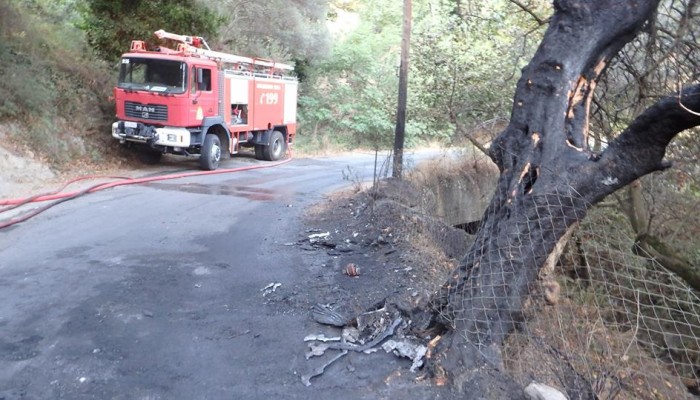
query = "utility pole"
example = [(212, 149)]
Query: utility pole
[(399, 134)]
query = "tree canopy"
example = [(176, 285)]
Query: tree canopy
[(110, 26)]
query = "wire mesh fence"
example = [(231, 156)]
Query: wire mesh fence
[(617, 320), (602, 318)]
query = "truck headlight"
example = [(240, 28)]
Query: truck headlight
[(115, 130)]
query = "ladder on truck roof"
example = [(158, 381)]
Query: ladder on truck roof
[(192, 43)]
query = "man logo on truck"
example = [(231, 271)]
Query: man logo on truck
[(145, 109)]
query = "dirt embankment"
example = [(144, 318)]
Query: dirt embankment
[(22, 175)]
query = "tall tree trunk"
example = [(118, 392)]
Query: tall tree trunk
[(549, 179)]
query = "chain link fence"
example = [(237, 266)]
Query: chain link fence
[(608, 316), (603, 317)]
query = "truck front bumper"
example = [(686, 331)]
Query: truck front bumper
[(127, 131)]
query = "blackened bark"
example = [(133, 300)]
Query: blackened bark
[(640, 148), (549, 177)]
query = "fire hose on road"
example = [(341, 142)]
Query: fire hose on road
[(59, 196)]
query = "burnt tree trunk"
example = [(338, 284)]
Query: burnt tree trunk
[(548, 180)]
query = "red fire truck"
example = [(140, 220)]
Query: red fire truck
[(192, 100)]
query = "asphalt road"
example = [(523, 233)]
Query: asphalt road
[(154, 291)]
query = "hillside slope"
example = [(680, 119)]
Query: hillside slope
[(55, 110)]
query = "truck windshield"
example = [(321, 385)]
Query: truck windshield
[(154, 75)]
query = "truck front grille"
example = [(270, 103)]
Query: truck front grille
[(156, 112)]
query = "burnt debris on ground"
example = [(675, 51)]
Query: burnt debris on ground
[(378, 255)]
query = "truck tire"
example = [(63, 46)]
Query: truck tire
[(277, 147), (210, 153), (259, 152)]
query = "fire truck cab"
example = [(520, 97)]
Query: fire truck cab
[(196, 101)]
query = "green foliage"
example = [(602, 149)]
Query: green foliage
[(465, 62), (463, 68), (53, 11), (54, 93), (110, 26), (277, 29), (350, 97), (21, 92)]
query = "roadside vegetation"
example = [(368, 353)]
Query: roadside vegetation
[(55, 92), (61, 57)]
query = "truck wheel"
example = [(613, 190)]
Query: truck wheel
[(149, 157), (211, 153), (259, 152), (277, 147)]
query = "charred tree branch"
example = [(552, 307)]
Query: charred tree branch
[(640, 148)]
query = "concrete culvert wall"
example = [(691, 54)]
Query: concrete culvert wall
[(457, 189)]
